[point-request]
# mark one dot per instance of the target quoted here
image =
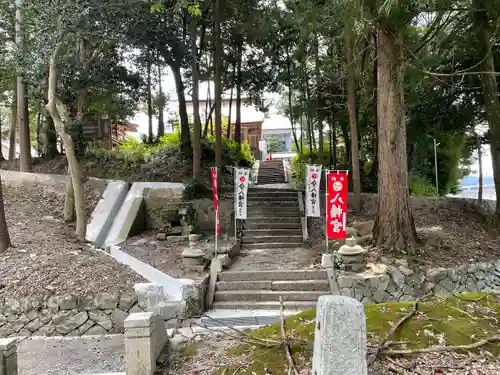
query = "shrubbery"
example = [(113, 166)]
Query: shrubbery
[(133, 157)]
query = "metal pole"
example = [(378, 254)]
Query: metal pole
[(436, 166), (216, 236), (234, 200)]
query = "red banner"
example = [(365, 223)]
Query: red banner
[(216, 200), (336, 205)]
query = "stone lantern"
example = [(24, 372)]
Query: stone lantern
[(352, 255)]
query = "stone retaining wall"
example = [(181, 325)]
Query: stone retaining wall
[(404, 284), (488, 205), (66, 315)]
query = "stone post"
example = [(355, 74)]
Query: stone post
[(8, 356), (340, 337), (140, 348)]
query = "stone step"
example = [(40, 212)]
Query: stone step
[(270, 232), (257, 224), (263, 181), (257, 212), (269, 305), (267, 295), (273, 198), (272, 245), (260, 190), (282, 285), (273, 275), (271, 174), (274, 203), (296, 239), (273, 219)]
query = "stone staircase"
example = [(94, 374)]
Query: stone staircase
[(271, 172), (299, 289), (273, 220)]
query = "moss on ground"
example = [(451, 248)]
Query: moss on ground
[(451, 320)]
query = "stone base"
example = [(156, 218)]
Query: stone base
[(198, 261), (199, 269), (353, 263)]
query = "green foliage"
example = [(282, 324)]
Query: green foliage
[(420, 186), (275, 144), (232, 153)]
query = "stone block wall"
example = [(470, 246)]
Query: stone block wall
[(404, 284), (205, 216), (66, 315)]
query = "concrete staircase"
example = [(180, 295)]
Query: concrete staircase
[(273, 220), (299, 289), (271, 172)]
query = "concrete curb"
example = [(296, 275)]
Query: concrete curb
[(105, 212)]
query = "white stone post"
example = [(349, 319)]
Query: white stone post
[(340, 337), (140, 348), (8, 356)]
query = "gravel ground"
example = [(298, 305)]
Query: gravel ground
[(71, 356), (166, 256), (46, 258)]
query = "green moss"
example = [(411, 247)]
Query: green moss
[(190, 350), (452, 320)]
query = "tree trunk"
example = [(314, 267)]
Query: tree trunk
[(209, 118), (49, 137), (69, 213), (237, 125), (196, 145), (4, 230), (149, 100), (61, 118), (13, 123), (161, 122), (229, 118), (218, 89), (290, 108), (351, 108), (38, 131), (490, 92), (22, 96), (2, 158), (480, 162), (319, 117), (185, 132), (394, 226)]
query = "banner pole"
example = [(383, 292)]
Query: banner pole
[(326, 210), (217, 213), (235, 208)]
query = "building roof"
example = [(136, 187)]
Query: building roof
[(276, 123), (248, 114)]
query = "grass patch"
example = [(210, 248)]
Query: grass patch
[(453, 320)]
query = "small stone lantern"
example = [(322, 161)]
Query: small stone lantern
[(352, 255)]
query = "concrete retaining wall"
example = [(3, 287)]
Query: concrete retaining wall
[(53, 182), (66, 315), (404, 284)]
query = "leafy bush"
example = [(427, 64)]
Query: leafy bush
[(421, 187)]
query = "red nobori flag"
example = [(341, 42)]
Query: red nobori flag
[(336, 205), (216, 200)]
